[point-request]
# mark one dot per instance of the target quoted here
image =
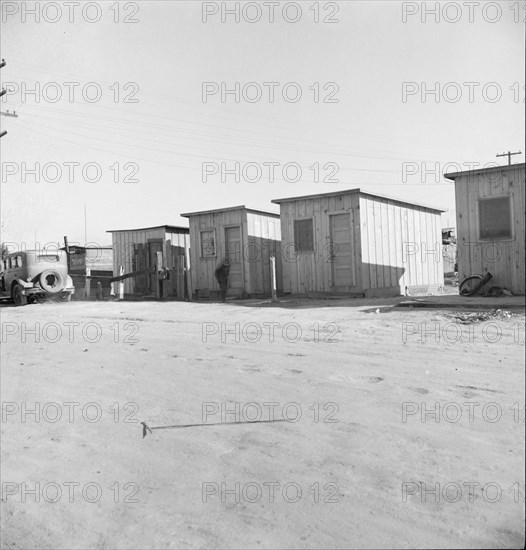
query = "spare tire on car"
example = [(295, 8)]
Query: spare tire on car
[(51, 281)]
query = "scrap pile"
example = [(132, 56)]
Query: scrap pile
[(480, 316)]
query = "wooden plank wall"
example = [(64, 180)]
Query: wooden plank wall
[(311, 271), (263, 238), (123, 251), (203, 269), (401, 244), (174, 254), (504, 259), (174, 246)]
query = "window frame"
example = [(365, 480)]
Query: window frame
[(296, 249), (509, 237)]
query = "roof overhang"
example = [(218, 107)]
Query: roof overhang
[(229, 209), (491, 169), (359, 191), (168, 228)]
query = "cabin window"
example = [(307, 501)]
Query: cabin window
[(303, 235), (495, 218), (208, 243), (18, 261)]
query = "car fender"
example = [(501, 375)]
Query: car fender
[(22, 283)]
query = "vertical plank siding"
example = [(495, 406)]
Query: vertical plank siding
[(260, 237), (394, 245), (311, 271), (174, 245), (401, 245), (263, 241), (503, 258)]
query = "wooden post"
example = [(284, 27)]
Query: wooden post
[(273, 278), (87, 289), (188, 267), (121, 284), (180, 277), (157, 277)]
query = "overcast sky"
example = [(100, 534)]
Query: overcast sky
[(368, 136)]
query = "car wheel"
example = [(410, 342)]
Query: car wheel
[(18, 298), (51, 281)]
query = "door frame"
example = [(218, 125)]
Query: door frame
[(349, 287), (241, 254), (157, 290)]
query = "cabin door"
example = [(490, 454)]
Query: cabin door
[(233, 253), (341, 251), (153, 248)]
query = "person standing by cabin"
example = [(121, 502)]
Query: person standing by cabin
[(222, 273)]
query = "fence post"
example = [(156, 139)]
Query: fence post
[(121, 284), (87, 285), (273, 278)]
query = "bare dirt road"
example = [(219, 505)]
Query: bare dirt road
[(402, 428)]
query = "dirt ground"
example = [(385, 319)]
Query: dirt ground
[(361, 460)]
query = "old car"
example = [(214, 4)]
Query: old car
[(35, 275)]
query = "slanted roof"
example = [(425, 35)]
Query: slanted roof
[(358, 191), (167, 228), (229, 209), (491, 169)]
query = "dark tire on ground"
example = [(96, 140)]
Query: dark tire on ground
[(470, 285), (18, 298)]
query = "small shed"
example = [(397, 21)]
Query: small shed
[(248, 237), (154, 261), (357, 243), (490, 205)]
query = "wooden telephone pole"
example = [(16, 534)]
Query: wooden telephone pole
[(7, 113), (509, 154)]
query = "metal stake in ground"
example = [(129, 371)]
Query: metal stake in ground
[(146, 428)]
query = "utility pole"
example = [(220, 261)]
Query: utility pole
[(509, 154), (2, 93)]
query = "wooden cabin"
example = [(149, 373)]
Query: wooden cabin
[(357, 243), (155, 261), (249, 238), (490, 205)]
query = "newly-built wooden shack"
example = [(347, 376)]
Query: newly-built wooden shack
[(358, 243), (490, 205), (159, 258), (248, 237)]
